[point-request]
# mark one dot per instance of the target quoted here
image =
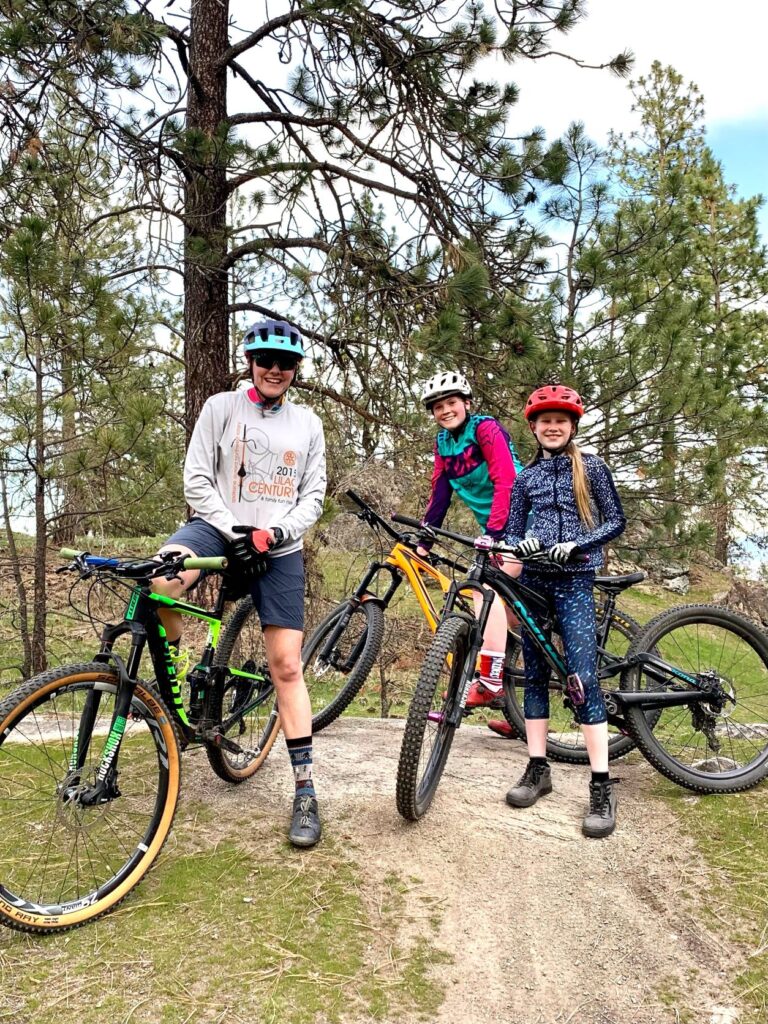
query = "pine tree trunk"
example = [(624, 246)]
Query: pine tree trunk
[(39, 659), (69, 522), (18, 578), (205, 283), (722, 533)]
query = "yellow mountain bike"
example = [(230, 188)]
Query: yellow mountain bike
[(343, 649)]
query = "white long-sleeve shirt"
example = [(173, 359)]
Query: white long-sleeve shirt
[(252, 466)]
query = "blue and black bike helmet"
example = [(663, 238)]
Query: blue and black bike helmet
[(273, 336)]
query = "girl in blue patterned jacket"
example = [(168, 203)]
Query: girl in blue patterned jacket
[(576, 510)]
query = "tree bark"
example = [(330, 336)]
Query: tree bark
[(39, 657), (206, 345), (18, 578), (69, 522)]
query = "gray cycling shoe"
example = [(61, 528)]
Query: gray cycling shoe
[(536, 781), (305, 827), (601, 818)]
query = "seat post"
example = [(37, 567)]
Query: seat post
[(221, 600)]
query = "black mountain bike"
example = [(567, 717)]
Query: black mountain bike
[(693, 688), (90, 754), (342, 650), (616, 631)]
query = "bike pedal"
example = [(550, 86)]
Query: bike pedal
[(218, 739)]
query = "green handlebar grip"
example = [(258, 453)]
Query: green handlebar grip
[(205, 563), (69, 553)]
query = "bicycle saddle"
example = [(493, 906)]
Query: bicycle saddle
[(615, 584)]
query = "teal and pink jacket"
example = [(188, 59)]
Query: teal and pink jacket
[(479, 462)]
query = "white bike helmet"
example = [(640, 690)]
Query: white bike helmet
[(443, 385)]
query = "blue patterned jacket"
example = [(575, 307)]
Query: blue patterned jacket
[(546, 489)]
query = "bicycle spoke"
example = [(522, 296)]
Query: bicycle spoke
[(712, 744), (56, 850)]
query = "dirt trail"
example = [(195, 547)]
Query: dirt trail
[(545, 927)]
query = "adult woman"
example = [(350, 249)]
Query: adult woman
[(257, 459)]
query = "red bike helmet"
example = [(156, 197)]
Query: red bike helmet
[(554, 397)]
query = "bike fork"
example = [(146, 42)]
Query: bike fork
[(104, 787), (478, 628)]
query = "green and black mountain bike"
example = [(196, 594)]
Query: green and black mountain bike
[(90, 754)]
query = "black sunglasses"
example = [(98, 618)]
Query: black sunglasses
[(266, 360)]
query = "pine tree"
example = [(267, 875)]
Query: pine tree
[(377, 101), (82, 427)]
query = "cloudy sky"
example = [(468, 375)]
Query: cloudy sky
[(719, 47)]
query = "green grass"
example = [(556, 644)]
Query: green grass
[(227, 930), (731, 837)]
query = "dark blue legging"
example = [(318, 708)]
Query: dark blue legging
[(575, 607)]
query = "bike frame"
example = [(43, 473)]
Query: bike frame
[(680, 688), (486, 580), (402, 563), (146, 631)]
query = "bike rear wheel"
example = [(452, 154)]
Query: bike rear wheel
[(336, 666), (242, 647), (719, 746), (62, 863), (448, 668), (565, 741)]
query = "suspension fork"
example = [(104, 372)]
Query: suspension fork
[(360, 595), (104, 788), (455, 715)]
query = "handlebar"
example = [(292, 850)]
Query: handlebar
[(416, 524), (212, 563), (149, 567), (497, 547), (371, 515)]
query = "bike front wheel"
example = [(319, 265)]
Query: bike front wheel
[(242, 648), (717, 746), (64, 862), (447, 670), (338, 657)]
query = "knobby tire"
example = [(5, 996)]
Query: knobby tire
[(334, 685), (427, 742), (256, 731), (701, 638)]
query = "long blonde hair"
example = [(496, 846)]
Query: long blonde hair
[(581, 491)]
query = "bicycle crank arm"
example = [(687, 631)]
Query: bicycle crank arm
[(218, 739)]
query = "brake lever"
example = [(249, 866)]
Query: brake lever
[(79, 563), (425, 536)]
